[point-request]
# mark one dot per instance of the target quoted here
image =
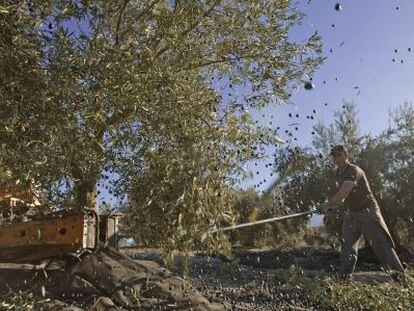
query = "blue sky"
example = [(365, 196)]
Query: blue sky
[(369, 50), (364, 37)]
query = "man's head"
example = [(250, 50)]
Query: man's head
[(339, 155)]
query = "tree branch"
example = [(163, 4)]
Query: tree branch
[(224, 60), (148, 9), (139, 16), (189, 29), (118, 23)]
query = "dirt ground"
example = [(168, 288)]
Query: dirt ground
[(138, 279), (104, 280), (250, 280)]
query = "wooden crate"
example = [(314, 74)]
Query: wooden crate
[(48, 236)]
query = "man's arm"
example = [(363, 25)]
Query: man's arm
[(339, 196)]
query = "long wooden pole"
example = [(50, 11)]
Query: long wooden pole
[(258, 222)]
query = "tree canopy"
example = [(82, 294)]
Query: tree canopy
[(127, 91)]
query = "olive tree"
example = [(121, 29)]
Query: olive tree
[(126, 89)]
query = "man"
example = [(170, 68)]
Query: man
[(361, 216)]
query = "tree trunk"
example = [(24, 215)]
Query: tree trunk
[(85, 194)]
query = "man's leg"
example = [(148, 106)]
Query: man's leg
[(379, 242), (349, 251)]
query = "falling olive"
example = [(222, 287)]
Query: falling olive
[(308, 86)]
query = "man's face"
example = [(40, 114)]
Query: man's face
[(339, 159)]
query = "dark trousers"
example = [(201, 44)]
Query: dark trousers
[(370, 225)]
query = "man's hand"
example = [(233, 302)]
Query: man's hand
[(324, 208)]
